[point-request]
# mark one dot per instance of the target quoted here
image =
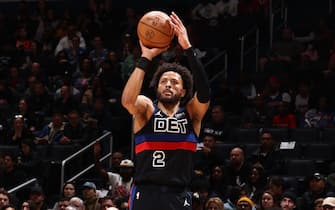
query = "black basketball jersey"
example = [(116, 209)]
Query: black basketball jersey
[(165, 149)]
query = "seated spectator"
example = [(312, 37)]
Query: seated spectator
[(288, 200), (267, 200), (77, 203), (40, 100), (99, 53), (256, 183), (328, 203), (90, 196), (274, 94), (75, 54), (84, 76), (52, 132), (317, 188), (107, 202), (65, 42), (63, 203), (207, 156), (214, 203), (268, 154), (18, 132), (74, 129), (234, 193), (318, 204), (4, 198), (38, 197), (256, 115), (11, 175), (101, 114), (277, 187), (245, 203), (29, 160), (302, 101), (216, 124), (321, 115), (238, 168), (120, 183), (218, 185), (284, 117), (66, 102), (31, 121), (7, 98), (68, 191)]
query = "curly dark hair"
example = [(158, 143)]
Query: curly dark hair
[(184, 73)]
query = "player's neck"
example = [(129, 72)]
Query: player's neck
[(168, 109)]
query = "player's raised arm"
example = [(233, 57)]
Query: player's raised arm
[(199, 104), (131, 98)]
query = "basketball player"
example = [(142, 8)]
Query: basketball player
[(166, 129)]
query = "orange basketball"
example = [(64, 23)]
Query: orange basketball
[(154, 29)]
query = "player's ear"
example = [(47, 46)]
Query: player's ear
[(183, 92)]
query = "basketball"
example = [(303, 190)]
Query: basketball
[(154, 29)]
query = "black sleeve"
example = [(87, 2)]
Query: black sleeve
[(201, 82)]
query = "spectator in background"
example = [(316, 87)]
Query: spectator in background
[(99, 53), (75, 54), (256, 115), (16, 80), (65, 42), (288, 201), (245, 203), (267, 154), (107, 202), (284, 117), (321, 115), (68, 192), (77, 203), (238, 168), (274, 94), (234, 193), (302, 101), (29, 160), (267, 200), (214, 203), (207, 156), (90, 196), (66, 102), (7, 98), (328, 203), (74, 129), (18, 131), (218, 185), (119, 184), (40, 100), (4, 198), (318, 204), (317, 188), (38, 198), (216, 124), (277, 187), (31, 121), (11, 175), (84, 76), (256, 183), (101, 113), (52, 132)]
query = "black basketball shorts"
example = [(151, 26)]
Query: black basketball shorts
[(144, 197)]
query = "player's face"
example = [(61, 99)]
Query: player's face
[(170, 88)]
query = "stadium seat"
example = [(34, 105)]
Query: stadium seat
[(246, 135), (299, 167), (305, 135)]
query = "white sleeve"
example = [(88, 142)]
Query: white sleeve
[(113, 178)]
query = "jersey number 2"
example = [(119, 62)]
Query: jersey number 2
[(158, 160)]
